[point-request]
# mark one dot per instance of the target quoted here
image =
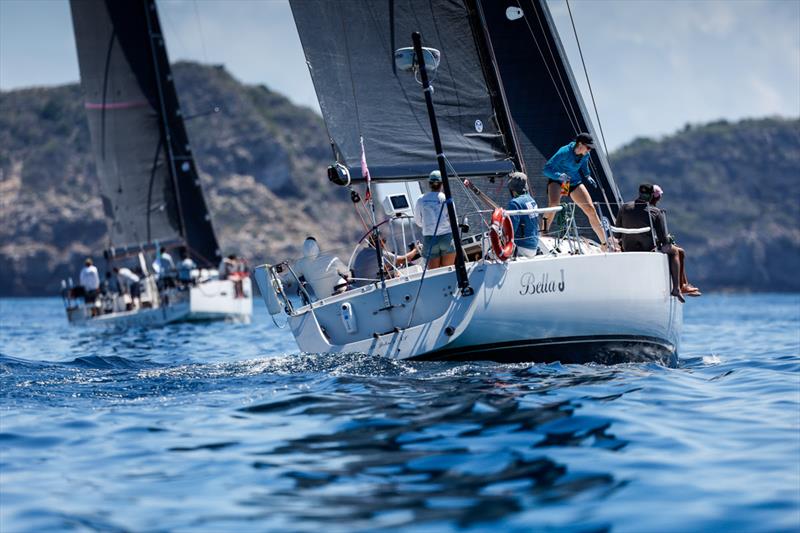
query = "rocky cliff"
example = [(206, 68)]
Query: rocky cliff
[(731, 189)]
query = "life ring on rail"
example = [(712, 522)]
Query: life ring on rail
[(501, 234)]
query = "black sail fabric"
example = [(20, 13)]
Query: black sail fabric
[(349, 47), (135, 124), (544, 101)]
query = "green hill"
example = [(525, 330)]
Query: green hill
[(731, 193), (731, 189)]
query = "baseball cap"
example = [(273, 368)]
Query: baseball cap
[(435, 176), (585, 138)]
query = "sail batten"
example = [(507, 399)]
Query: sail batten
[(149, 182)]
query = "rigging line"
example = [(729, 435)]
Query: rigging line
[(200, 31), (558, 71), (586, 74), (549, 72)]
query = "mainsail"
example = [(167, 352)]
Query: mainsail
[(543, 98), (150, 186), (349, 47)]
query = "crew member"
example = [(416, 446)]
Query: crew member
[(90, 281), (130, 284), (324, 274), (365, 264), (186, 268), (164, 267), (430, 213), (566, 172), (686, 288), (640, 214), (526, 227)]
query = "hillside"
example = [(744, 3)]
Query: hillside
[(262, 161), (731, 193), (731, 189)]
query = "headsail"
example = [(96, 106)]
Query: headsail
[(151, 190), (350, 49), (540, 90)]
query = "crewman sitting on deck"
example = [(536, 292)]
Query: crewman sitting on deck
[(641, 214), (365, 264), (526, 227), (324, 274)]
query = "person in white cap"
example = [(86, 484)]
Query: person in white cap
[(324, 274), (430, 213)]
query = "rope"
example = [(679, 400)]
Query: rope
[(586, 74), (424, 270)]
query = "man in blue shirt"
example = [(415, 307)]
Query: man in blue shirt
[(526, 227), (566, 173)]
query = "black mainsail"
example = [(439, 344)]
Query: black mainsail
[(349, 47), (540, 90), (150, 185)]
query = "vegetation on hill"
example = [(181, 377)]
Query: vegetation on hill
[(731, 189), (731, 193)]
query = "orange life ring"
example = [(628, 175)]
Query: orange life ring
[(502, 235)]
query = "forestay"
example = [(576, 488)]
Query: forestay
[(150, 187), (349, 47)]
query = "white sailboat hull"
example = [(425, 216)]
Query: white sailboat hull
[(207, 301), (601, 307)]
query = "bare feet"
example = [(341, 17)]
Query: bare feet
[(690, 290), (677, 294)]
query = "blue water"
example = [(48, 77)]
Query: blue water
[(223, 428)]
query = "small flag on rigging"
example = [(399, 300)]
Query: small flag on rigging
[(365, 172)]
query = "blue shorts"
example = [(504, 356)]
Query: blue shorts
[(434, 246)]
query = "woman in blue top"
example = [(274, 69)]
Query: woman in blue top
[(567, 171)]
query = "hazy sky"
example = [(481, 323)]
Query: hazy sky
[(654, 64)]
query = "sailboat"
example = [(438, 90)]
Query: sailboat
[(150, 186), (489, 93)]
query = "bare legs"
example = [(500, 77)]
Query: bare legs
[(582, 198), (686, 287), (553, 199)]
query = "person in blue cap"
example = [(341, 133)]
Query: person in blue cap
[(526, 227), (566, 173)]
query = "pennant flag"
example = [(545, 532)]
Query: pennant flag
[(365, 172)]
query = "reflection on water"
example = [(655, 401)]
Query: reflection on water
[(219, 428)]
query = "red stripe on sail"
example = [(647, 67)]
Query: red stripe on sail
[(116, 105)]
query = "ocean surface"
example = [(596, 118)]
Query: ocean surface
[(217, 427)]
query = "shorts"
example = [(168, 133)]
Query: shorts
[(572, 185), (434, 246)]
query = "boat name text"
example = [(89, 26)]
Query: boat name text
[(540, 285)]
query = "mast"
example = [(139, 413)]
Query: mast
[(461, 268)]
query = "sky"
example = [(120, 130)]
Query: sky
[(654, 65)]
